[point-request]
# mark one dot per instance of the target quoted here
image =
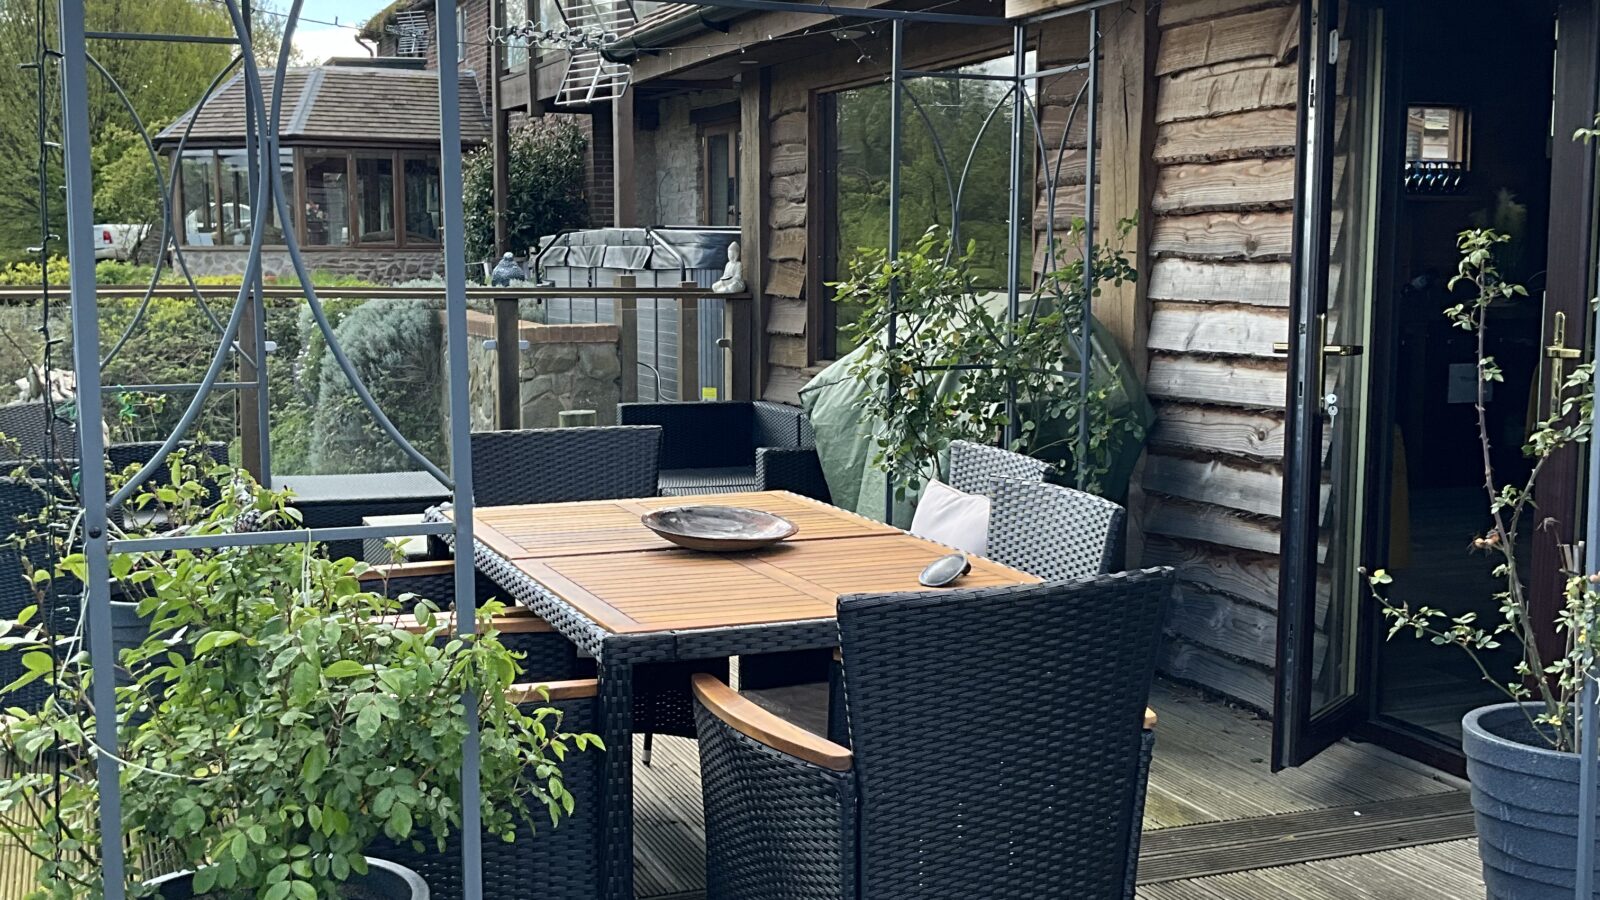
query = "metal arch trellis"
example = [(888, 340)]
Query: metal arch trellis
[(1021, 101), (74, 63)]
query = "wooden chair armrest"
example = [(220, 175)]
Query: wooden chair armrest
[(515, 620), (757, 724), (409, 570), (578, 689), (512, 621)]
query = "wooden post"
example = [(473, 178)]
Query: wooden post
[(1127, 178), (688, 346), (499, 138), (248, 400), (627, 307), (507, 364), (747, 319), (625, 197)]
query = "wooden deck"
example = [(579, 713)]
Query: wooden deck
[(1210, 783), (1357, 823)]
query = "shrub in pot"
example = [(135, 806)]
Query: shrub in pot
[(279, 720), (1521, 755)]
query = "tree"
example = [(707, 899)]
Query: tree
[(546, 192), (162, 80)]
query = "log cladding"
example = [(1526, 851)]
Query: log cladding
[(1218, 279)]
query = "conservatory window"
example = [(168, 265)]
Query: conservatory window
[(375, 203), (422, 193), (327, 203)]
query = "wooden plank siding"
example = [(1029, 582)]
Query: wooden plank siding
[(1218, 278)]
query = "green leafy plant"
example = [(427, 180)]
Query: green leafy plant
[(546, 176), (1552, 683), (277, 720), (956, 359)]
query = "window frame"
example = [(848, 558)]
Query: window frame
[(300, 194), (729, 132)]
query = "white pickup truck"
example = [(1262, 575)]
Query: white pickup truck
[(118, 241)]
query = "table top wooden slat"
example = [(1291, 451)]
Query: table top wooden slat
[(550, 530), (653, 591)]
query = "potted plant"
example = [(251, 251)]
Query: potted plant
[(1521, 755), (278, 721)]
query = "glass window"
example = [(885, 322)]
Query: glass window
[(461, 34), (856, 173), (517, 13), (422, 200), (235, 216), (722, 175), (327, 204), (198, 174), (1436, 134), (375, 213)]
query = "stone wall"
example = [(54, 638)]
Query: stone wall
[(377, 266), (565, 367), (670, 178)]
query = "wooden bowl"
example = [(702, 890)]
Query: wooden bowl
[(719, 529)]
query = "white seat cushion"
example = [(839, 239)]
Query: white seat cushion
[(954, 518)]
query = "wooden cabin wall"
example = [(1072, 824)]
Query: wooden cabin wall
[(1225, 85), (792, 287)]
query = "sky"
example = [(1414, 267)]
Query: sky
[(317, 42)]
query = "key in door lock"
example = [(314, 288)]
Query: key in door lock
[(1330, 404)]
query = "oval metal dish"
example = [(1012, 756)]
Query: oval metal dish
[(719, 529)]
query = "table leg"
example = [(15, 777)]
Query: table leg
[(616, 729)]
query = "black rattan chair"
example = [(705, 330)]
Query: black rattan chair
[(1015, 769), (556, 465), (23, 425), (541, 863), (1053, 532), (546, 864), (21, 502), (728, 447), (973, 466)]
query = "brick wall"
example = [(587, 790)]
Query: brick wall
[(600, 164), (476, 52)]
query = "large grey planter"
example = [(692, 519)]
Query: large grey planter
[(1526, 798), (383, 881)]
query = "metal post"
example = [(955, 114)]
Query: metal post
[(1085, 323), (897, 84), (1019, 53), (455, 276), (91, 449)]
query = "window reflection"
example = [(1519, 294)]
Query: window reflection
[(327, 206), (422, 200), (375, 199)]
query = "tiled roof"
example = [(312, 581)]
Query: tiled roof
[(347, 104)]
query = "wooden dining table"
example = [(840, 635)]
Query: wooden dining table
[(631, 598)]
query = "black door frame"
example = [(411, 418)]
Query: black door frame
[(1570, 282), (1299, 731), (1572, 254)]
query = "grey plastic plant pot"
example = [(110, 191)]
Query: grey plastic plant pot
[(383, 881), (1526, 799)]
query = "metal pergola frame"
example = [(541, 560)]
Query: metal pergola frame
[(1019, 80), (244, 334)]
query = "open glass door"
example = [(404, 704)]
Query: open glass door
[(1327, 440)]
